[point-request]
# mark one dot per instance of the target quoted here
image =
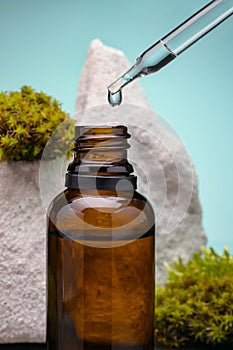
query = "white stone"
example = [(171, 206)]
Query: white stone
[(22, 254), (157, 154), (23, 185)]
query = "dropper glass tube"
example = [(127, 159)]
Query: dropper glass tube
[(173, 44)]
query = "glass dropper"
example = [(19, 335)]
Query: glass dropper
[(172, 45)]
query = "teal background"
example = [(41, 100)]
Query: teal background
[(44, 44)]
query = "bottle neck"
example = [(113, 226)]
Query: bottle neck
[(100, 159)]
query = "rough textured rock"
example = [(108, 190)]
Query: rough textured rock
[(165, 172), (23, 185), (22, 254)]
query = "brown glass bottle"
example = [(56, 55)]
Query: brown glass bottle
[(100, 251)]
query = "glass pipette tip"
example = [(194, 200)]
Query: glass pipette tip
[(173, 44)]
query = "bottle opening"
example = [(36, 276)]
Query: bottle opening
[(100, 159)]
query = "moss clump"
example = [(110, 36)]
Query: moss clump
[(196, 304), (27, 120)]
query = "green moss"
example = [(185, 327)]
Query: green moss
[(196, 304), (27, 120)]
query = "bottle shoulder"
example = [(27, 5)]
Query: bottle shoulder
[(101, 209), (98, 199)]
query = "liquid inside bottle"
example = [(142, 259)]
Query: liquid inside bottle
[(100, 251)]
